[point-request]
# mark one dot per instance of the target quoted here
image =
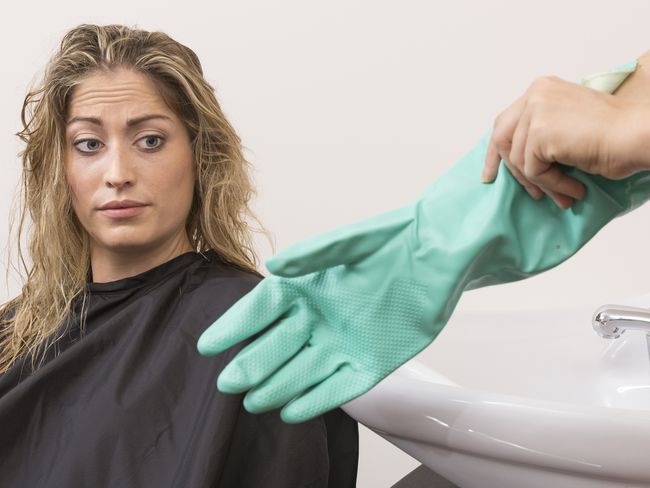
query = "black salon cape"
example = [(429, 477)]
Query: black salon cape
[(133, 404)]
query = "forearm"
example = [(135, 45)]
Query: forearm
[(634, 129)]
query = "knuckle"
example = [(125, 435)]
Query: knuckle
[(545, 79), (536, 128), (500, 139), (515, 160), (539, 82), (500, 121), (537, 98), (528, 173), (614, 172)]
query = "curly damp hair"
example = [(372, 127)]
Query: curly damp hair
[(58, 244)]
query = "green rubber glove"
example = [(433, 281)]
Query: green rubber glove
[(344, 309)]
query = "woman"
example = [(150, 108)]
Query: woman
[(137, 186)]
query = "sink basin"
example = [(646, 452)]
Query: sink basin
[(531, 398)]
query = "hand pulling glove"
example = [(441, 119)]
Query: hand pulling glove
[(344, 309)]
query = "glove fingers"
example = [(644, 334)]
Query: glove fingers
[(341, 387), (342, 245), (309, 367), (259, 359), (256, 310)]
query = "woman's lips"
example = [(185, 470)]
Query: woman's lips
[(125, 212)]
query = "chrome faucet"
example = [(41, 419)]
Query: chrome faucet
[(610, 321)]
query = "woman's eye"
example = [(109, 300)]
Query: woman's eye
[(149, 138), (93, 144), (78, 143)]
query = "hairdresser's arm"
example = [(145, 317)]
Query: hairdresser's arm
[(560, 121), (636, 90)]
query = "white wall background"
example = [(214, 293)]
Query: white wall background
[(349, 108)]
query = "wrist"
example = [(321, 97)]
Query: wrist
[(631, 138)]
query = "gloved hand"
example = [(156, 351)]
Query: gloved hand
[(346, 308)]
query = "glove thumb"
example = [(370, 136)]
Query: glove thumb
[(342, 245)]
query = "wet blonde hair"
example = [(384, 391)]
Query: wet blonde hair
[(58, 244)]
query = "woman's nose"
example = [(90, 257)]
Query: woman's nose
[(120, 168)]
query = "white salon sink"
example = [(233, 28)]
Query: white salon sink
[(522, 399)]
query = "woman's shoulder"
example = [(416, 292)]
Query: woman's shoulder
[(208, 291), (217, 272), (215, 284)]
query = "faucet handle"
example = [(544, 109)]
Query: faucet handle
[(610, 321)]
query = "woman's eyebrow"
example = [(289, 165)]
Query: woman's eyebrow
[(129, 122)]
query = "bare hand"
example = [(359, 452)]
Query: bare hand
[(557, 121)]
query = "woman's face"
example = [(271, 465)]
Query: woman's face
[(118, 157)]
